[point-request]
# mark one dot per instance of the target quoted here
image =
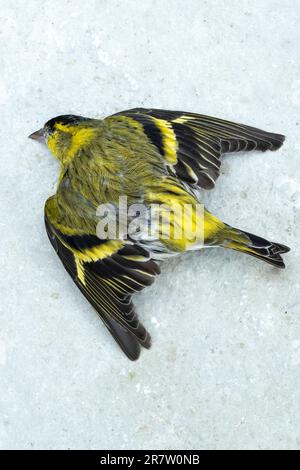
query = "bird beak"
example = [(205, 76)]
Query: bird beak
[(38, 135)]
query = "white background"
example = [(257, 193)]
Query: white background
[(224, 368)]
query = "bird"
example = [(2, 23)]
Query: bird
[(154, 157)]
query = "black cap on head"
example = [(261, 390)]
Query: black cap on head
[(64, 119)]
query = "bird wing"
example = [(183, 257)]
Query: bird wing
[(192, 144), (107, 273)]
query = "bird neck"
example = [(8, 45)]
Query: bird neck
[(67, 141)]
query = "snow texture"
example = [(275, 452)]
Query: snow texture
[(224, 368)]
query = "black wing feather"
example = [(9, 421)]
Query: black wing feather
[(200, 141), (109, 284)]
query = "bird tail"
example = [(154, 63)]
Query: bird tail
[(253, 245)]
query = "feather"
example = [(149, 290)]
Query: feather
[(193, 143), (108, 283)]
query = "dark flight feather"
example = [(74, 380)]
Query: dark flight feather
[(109, 284), (200, 141)]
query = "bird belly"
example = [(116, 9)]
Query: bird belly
[(181, 221)]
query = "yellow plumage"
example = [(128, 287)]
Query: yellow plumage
[(160, 160)]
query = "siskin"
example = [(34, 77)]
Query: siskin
[(154, 158)]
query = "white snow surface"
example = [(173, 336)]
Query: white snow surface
[(224, 368)]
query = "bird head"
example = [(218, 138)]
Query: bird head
[(64, 135)]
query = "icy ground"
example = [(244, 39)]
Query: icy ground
[(224, 369)]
